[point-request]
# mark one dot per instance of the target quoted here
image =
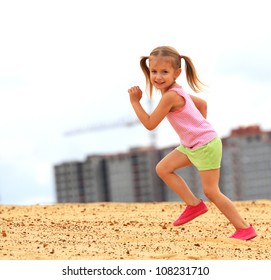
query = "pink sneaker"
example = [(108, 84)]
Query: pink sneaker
[(244, 233), (190, 213)]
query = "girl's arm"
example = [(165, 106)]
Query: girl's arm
[(200, 104), (151, 121)]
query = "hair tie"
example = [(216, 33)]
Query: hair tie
[(181, 56)]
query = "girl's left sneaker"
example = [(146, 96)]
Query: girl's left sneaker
[(244, 233)]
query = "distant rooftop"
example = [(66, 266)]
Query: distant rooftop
[(246, 131)]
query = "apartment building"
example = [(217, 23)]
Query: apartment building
[(69, 182), (95, 179), (131, 176), (121, 177), (246, 165)]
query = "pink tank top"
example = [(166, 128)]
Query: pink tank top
[(193, 129)]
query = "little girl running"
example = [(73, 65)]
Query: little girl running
[(200, 144)]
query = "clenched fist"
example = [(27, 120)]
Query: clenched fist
[(135, 94)]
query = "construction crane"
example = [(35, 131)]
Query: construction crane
[(116, 124), (101, 126), (111, 125)]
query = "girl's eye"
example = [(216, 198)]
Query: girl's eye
[(153, 71)]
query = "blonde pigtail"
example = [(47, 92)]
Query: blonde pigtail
[(146, 71), (192, 76)]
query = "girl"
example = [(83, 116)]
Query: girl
[(200, 144)]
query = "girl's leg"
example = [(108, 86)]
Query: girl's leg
[(166, 171), (210, 179)]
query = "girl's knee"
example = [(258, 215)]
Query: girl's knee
[(161, 170), (208, 195), (211, 194)]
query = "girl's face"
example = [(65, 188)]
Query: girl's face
[(162, 73)]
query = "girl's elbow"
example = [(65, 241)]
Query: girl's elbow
[(150, 124), (150, 127)]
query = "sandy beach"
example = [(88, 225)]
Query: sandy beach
[(136, 231)]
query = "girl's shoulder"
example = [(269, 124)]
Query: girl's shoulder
[(180, 91), (177, 99)]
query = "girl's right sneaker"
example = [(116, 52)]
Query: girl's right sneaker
[(190, 213)]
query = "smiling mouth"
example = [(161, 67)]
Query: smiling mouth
[(159, 83)]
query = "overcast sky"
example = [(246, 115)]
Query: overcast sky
[(66, 65)]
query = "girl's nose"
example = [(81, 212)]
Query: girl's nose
[(158, 76)]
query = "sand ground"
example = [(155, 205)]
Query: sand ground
[(137, 231)]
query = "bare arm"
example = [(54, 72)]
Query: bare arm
[(200, 104), (151, 121)]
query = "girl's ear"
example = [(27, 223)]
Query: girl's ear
[(178, 72)]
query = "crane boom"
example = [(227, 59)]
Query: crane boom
[(102, 126)]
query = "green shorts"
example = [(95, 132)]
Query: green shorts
[(206, 157)]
